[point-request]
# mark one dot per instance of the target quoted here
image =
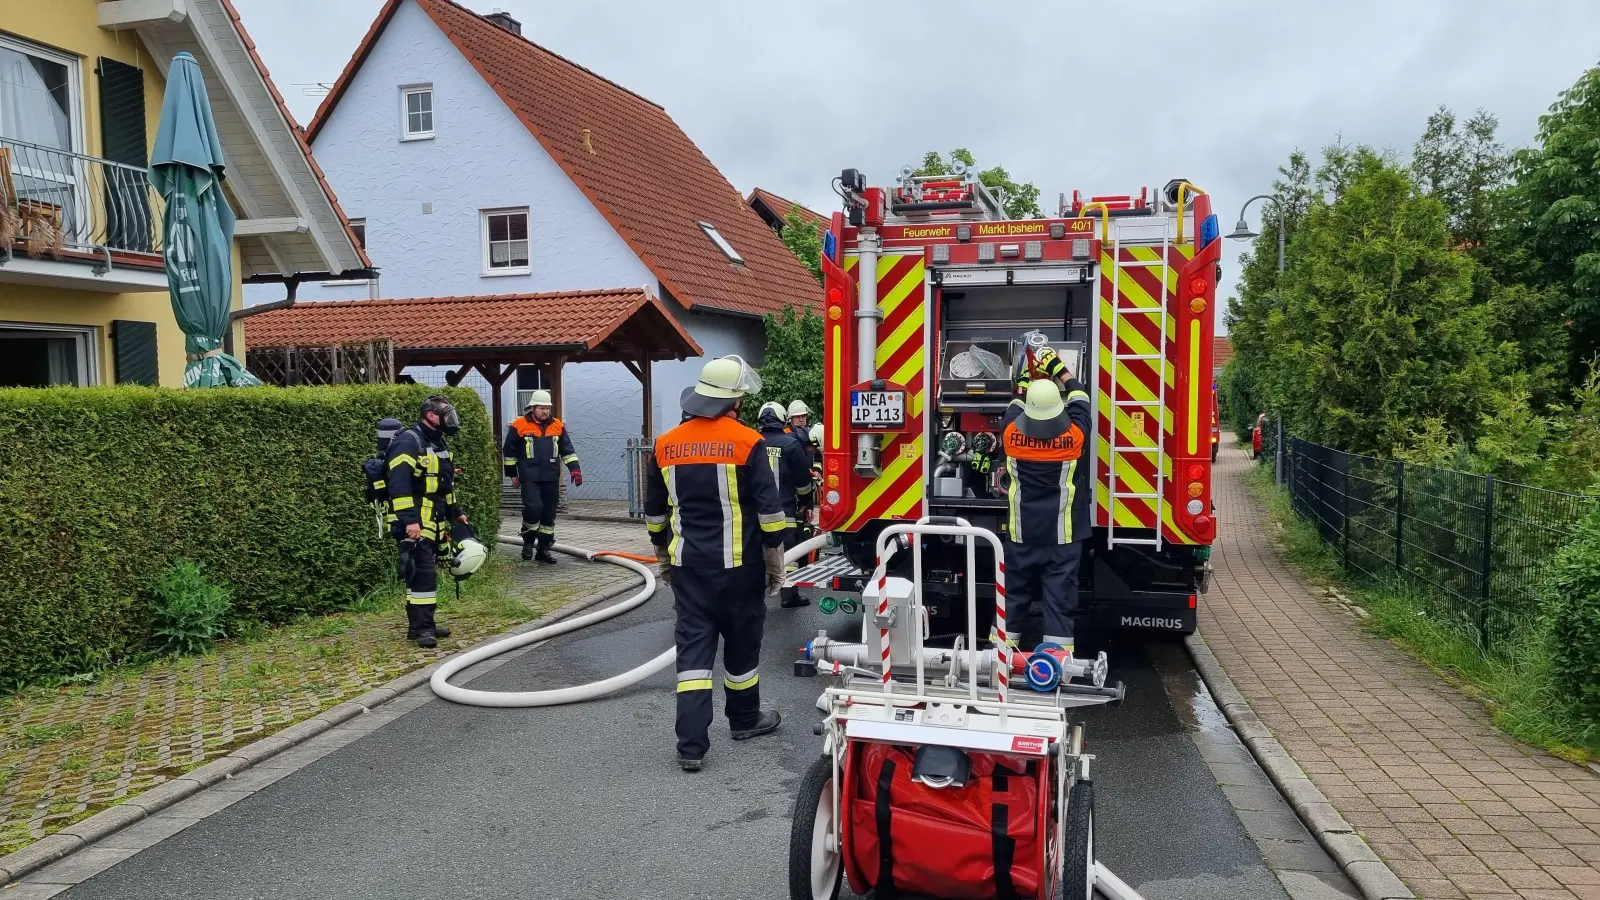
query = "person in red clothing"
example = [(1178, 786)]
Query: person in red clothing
[(1255, 436)]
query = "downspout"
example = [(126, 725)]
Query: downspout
[(291, 286), (867, 316)]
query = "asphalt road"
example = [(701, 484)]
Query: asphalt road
[(587, 801)]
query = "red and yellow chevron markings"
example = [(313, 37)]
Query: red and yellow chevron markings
[(902, 354)]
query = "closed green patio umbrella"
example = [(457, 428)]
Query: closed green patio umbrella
[(186, 168)]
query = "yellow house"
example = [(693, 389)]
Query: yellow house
[(83, 293)]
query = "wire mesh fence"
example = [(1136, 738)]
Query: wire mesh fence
[(1477, 543)]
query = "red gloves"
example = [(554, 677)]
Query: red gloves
[(577, 477)]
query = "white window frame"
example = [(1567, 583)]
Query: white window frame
[(483, 242), (76, 136), (406, 134), (721, 242), (87, 336)]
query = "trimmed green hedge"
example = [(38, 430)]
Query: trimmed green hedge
[(261, 487), (1572, 614)]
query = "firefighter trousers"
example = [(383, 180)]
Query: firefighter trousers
[(539, 500), (1047, 570), (422, 585), (717, 603)]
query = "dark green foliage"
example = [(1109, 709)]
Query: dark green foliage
[(260, 487), (792, 369), (804, 240), (1558, 184), (1021, 200), (1572, 615), (187, 611)]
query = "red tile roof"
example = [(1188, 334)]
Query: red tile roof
[(1221, 351), (295, 129), (779, 208), (567, 318), (633, 162)]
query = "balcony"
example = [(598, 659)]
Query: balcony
[(75, 221)]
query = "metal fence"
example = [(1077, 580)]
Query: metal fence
[(1476, 542), (51, 200)]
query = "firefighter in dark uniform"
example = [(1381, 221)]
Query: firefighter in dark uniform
[(711, 504), (791, 468), (422, 501), (1046, 445), (537, 445)]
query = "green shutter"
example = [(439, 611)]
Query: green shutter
[(134, 344), (130, 223)]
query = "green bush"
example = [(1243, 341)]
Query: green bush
[(188, 611), (1572, 617), (260, 487)]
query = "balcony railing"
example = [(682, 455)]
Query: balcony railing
[(53, 201)]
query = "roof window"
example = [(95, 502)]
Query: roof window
[(722, 243)]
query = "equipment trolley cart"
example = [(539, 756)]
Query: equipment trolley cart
[(951, 772)]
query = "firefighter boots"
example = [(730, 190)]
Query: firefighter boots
[(767, 723)]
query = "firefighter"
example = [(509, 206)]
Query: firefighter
[(1046, 446), (791, 468), (712, 507), (422, 500), (537, 445), (799, 416)]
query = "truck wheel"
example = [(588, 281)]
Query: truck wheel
[(1077, 868), (815, 864)]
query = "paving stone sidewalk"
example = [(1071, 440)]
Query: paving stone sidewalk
[(1456, 808), (70, 751)]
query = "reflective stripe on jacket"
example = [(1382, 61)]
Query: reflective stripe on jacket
[(710, 495), (535, 452), (791, 470), (1050, 497), (421, 481)]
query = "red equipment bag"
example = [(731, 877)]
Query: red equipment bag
[(984, 840)]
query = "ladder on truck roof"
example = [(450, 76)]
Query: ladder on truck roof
[(1119, 312)]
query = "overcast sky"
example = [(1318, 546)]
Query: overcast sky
[(1102, 97)]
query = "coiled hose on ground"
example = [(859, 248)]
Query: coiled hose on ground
[(440, 682)]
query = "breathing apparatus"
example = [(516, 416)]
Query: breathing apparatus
[(1036, 353), (449, 419)]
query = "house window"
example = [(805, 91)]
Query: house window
[(359, 227), (722, 243), (38, 97), (505, 241), (416, 112), (47, 355)]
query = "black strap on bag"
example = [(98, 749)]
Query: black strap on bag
[(885, 886), (1005, 850)]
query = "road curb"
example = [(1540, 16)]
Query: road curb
[(80, 835), (1371, 875)]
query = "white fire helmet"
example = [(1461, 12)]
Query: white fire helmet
[(469, 557)]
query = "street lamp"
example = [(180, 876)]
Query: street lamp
[(1242, 232)]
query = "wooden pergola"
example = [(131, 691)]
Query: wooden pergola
[(495, 334)]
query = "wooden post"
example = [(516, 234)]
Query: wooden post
[(555, 385), (647, 426)]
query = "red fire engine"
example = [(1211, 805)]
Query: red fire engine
[(935, 300)]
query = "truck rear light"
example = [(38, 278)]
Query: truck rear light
[(835, 295), (1033, 251), (1196, 471), (985, 253), (1197, 286), (941, 254), (1080, 248), (964, 233), (1058, 230), (1192, 603), (1202, 524), (1010, 251), (833, 481), (1196, 489), (1197, 305), (1195, 508), (833, 498)]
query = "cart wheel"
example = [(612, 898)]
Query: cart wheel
[(814, 860), (1077, 870)]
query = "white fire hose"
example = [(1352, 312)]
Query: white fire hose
[(440, 682)]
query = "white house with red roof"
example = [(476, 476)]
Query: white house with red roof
[(476, 162)]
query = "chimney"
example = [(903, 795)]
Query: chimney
[(504, 20)]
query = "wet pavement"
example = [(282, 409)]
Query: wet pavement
[(586, 801)]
